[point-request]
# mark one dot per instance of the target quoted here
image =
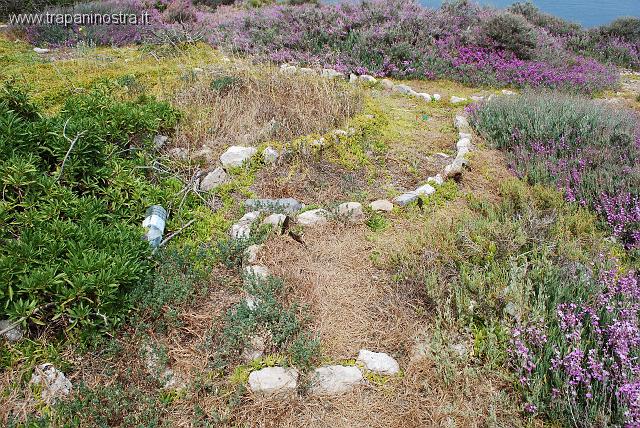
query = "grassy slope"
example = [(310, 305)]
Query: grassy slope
[(346, 262)]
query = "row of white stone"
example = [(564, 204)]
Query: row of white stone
[(327, 380)]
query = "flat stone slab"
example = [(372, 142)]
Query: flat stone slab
[(270, 381), (424, 96), (242, 229), (378, 362), (236, 156), (457, 100), (214, 179), (270, 155), (405, 198), (350, 210), (403, 89), (381, 205), (274, 220), (438, 179), (335, 380), (282, 205), (386, 83), (315, 217), (425, 190)]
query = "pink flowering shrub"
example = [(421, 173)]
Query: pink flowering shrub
[(589, 152)]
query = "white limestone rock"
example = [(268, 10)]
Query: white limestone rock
[(424, 96), (286, 205), (236, 156), (53, 382), (330, 73), (274, 381), (387, 84), (463, 143), (457, 100), (214, 179), (315, 217), (461, 122), (256, 272), (350, 210), (335, 380), (508, 92), (41, 50), (14, 334), (255, 349), (437, 97), (425, 190), (179, 153), (378, 362), (270, 155), (403, 89), (242, 229), (405, 198), (274, 220), (251, 253), (367, 78), (382, 205), (438, 179), (353, 78), (288, 69)]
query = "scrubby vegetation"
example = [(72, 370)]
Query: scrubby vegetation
[(541, 291), (584, 148), (72, 194), (461, 41)]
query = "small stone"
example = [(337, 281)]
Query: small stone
[(41, 50), (159, 141), (387, 84), (457, 100), (424, 96), (214, 179), (454, 169), (461, 122), (462, 152), (477, 98), (288, 69), (256, 272), (511, 309), (270, 155), (405, 198), (425, 190), (236, 156), (508, 92), (252, 253), (285, 205), (438, 179), (313, 217), (442, 155), (304, 70), (351, 210), (466, 135), (463, 143), (274, 220), (378, 362), (12, 335), (252, 302), (340, 133), (274, 381), (179, 153), (255, 349), (437, 97), (335, 380), (353, 78), (240, 231), (54, 383), (381, 205), (330, 73), (412, 93), (367, 78), (403, 89)]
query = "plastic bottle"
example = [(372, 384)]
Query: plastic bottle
[(154, 222)]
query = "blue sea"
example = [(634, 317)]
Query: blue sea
[(589, 13)]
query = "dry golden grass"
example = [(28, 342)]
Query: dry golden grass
[(237, 105)]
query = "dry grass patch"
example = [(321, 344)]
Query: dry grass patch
[(248, 106)]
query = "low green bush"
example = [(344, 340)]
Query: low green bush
[(74, 193), (509, 32)]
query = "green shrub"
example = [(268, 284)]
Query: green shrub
[(624, 28), (73, 197), (509, 32), (553, 24)]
